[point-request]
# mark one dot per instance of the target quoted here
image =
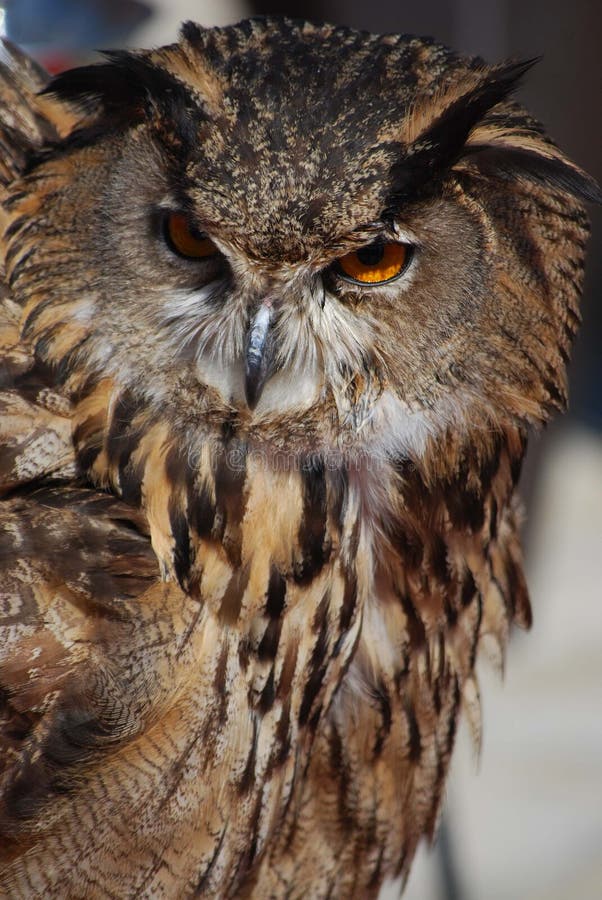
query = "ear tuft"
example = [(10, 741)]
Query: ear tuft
[(120, 93), (100, 85), (442, 140), (122, 89), (454, 129), (437, 129), (191, 33), (546, 166)]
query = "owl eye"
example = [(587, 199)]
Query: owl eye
[(185, 240), (375, 264)]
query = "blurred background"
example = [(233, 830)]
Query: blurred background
[(529, 824)]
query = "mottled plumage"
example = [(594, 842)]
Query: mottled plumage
[(258, 518)]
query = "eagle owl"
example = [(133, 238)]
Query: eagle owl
[(280, 302)]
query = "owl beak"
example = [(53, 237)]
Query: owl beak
[(258, 353)]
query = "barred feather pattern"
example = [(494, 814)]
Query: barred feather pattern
[(267, 646), (233, 657)]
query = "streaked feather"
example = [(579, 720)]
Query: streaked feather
[(235, 645)]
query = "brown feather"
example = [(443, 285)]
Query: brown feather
[(235, 643)]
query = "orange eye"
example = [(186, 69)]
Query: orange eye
[(375, 264), (185, 240)]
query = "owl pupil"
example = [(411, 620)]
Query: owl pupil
[(372, 255)]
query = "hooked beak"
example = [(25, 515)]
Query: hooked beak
[(258, 352)]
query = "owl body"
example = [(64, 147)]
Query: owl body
[(270, 355)]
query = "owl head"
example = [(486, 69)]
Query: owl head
[(307, 235)]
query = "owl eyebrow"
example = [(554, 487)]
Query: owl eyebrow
[(383, 227)]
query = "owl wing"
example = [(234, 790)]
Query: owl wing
[(86, 633), (24, 126), (35, 428), (68, 558)]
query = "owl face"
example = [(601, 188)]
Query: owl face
[(354, 313), (306, 223)]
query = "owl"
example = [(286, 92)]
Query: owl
[(280, 304)]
